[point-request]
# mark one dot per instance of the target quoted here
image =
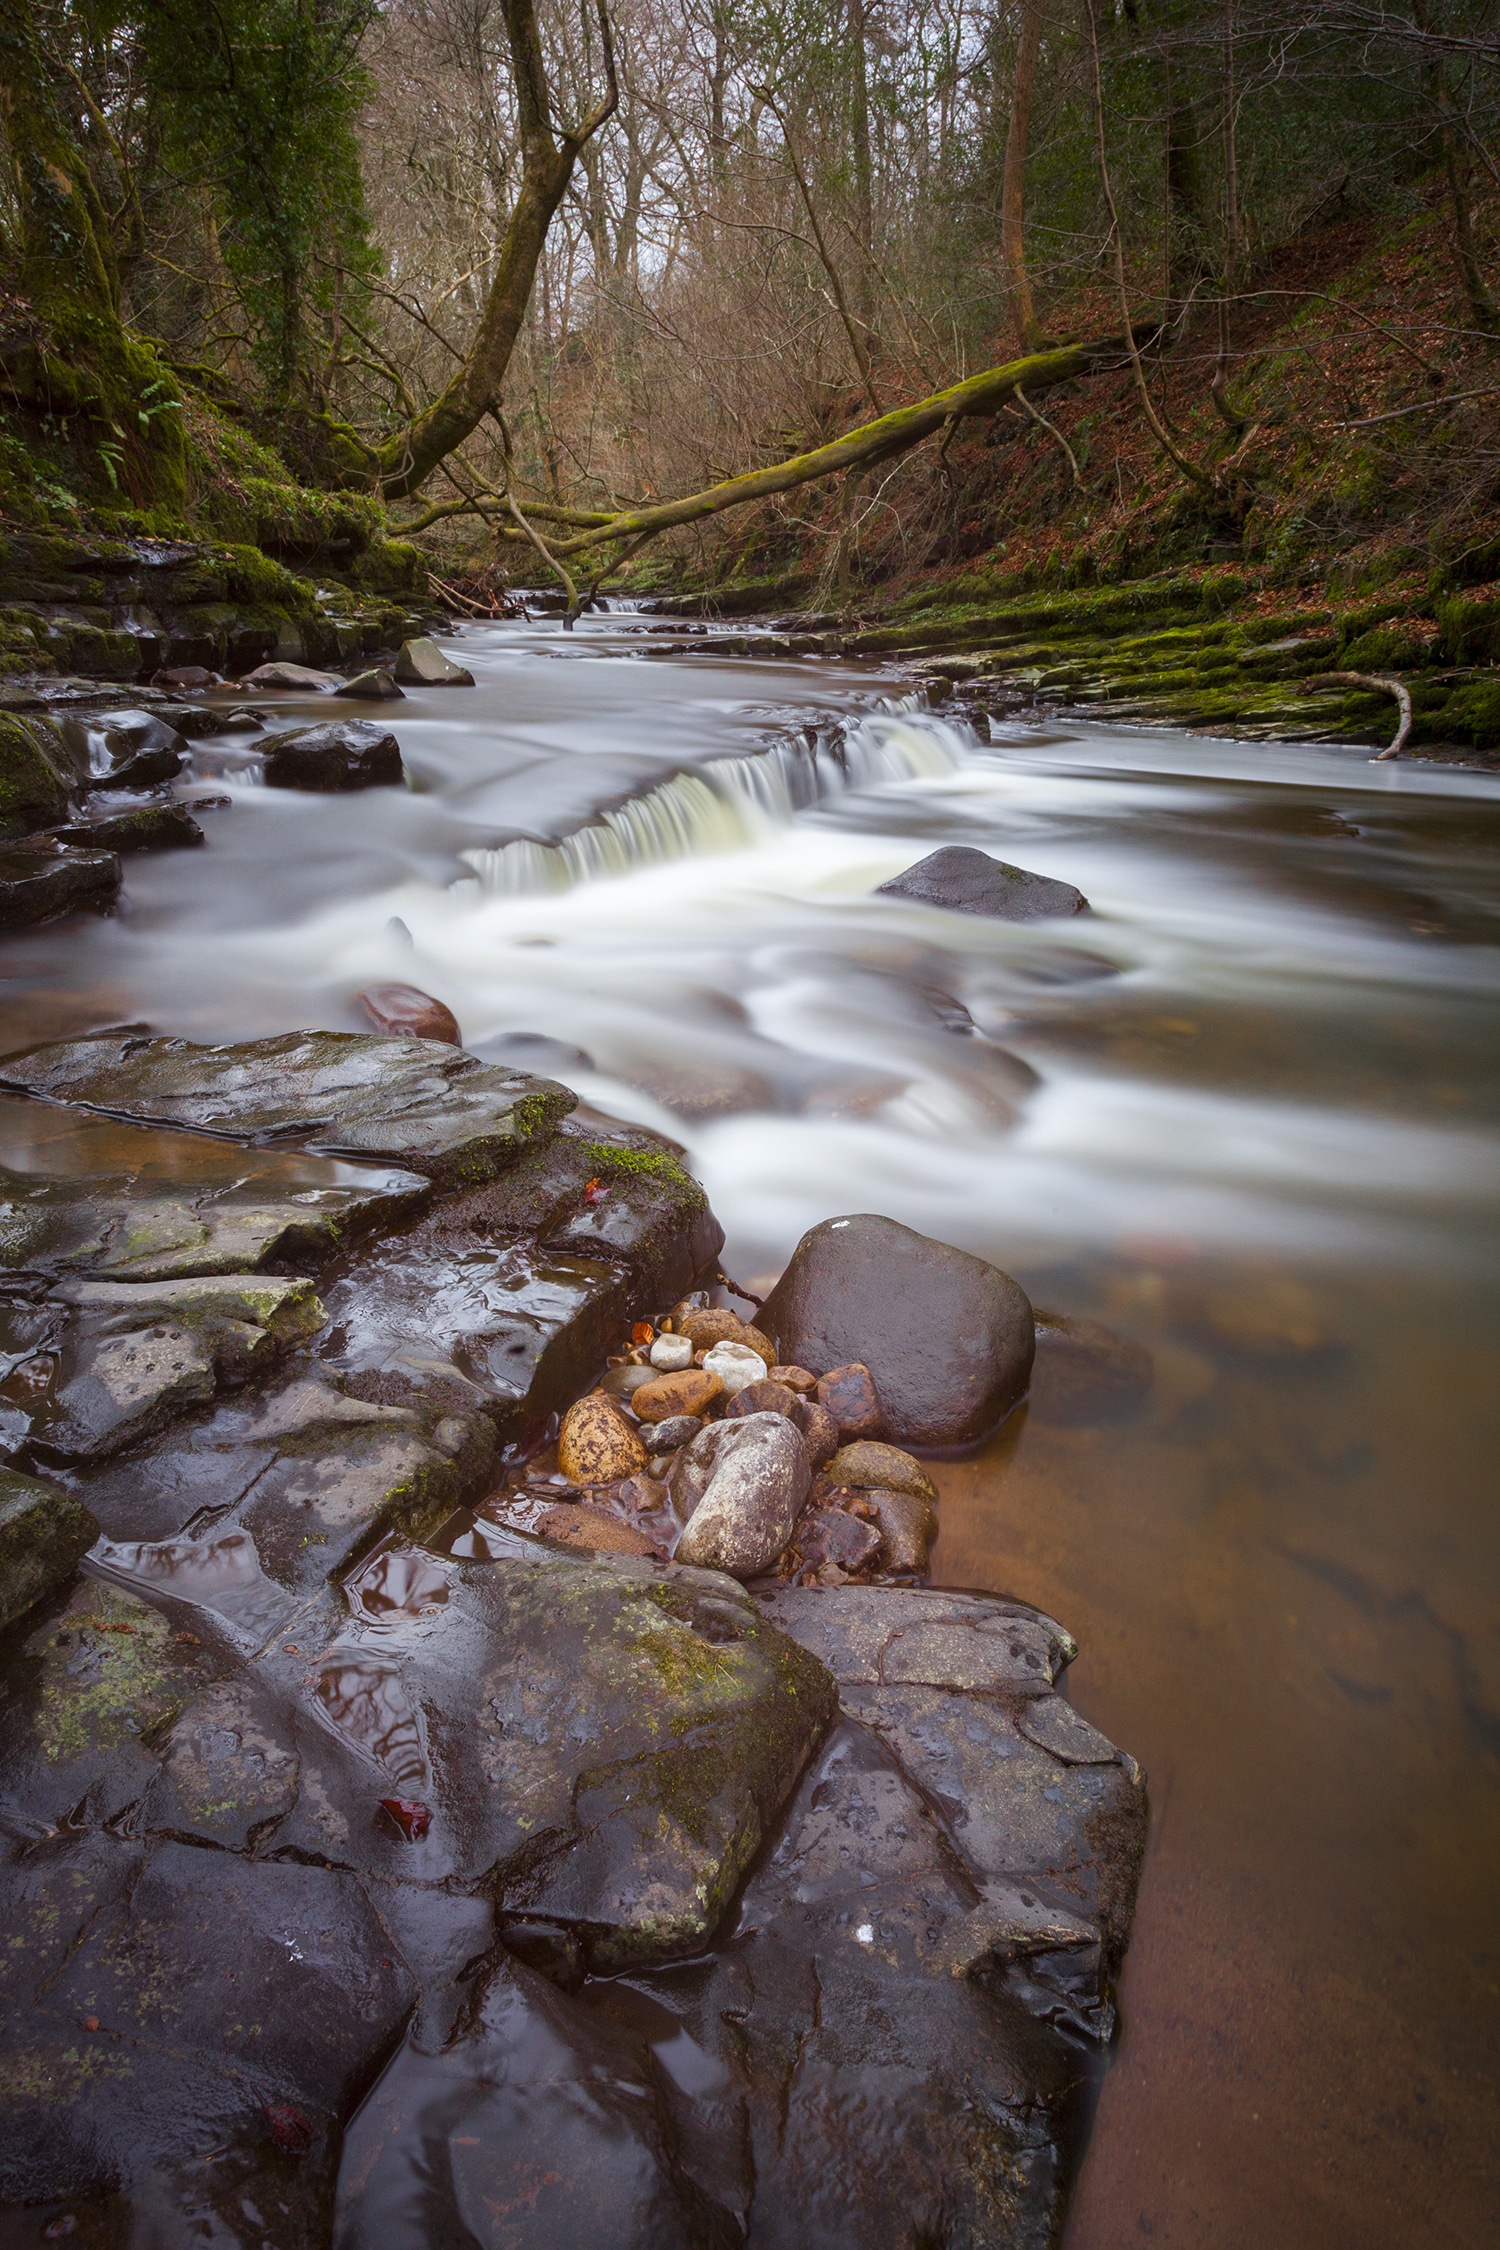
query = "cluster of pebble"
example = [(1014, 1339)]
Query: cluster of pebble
[(700, 1444)]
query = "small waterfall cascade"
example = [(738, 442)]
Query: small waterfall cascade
[(728, 804)]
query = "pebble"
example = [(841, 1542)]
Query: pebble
[(850, 1396), (741, 1486), (671, 1354), (716, 1326), (409, 1013), (691, 1392), (596, 1445), (908, 1527), (735, 1365), (820, 1432), (581, 1524), (668, 1436), (763, 1397), (798, 1379), (884, 1467), (827, 1535), (624, 1382)]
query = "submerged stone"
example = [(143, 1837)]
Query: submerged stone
[(343, 754)]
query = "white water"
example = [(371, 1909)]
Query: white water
[(657, 881)]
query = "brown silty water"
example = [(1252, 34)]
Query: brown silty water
[(1244, 1113)]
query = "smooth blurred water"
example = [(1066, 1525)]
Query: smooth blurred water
[(1245, 1110)]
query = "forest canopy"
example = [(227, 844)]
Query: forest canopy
[(563, 275)]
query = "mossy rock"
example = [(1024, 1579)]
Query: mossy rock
[(43, 1533), (34, 770)]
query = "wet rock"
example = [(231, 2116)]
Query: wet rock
[(36, 886), (98, 1198), (139, 1353), (820, 1432), (44, 1533), (908, 1526), (735, 1365), (850, 1396), (592, 1530), (198, 722), (343, 1093), (36, 775), (637, 1203), (762, 1397), (596, 1444), (1086, 1373), (85, 1693), (407, 1013), (714, 1325), (671, 1354), (971, 882), (829, 1535), (798, 1379), (143, 828), (665, 1396), (624, 1382), (741, 1485), (293, 678), (281, 1993), (540, 2124), (123, 750), (185, 679), (886, 1466), (421, 663), (344, 754), (375, 686), (671, 1435), (947, 1338)]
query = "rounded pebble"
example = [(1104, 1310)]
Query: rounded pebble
[(671, 1354), (596, 1445), (735, 1365)]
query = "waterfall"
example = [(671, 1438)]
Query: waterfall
[(728, 804)]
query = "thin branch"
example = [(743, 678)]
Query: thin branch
[(1377, 683), (1053, 431)]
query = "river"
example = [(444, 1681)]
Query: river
[(1245, 1112)]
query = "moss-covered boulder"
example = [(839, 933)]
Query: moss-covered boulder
[(43, 1532), (35, 774)]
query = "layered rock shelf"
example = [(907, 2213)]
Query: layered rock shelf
[(451, 1788)]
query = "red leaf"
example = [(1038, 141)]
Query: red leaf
[(290, 2130), (594, 1191), (411, 1818)]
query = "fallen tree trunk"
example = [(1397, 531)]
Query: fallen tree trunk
[(881, 440)]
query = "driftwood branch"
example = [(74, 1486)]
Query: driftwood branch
[(1377, 683)]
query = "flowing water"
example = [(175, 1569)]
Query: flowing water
[(1245, 1112)]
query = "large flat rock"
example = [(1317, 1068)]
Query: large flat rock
[(438, 1111)]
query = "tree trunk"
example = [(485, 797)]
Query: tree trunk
[(1013, 187), (403, 463), (88, 365)]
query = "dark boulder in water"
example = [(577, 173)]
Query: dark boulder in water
[(946, 1338), (409, 1013), (343, 754), (37, 885), (969, 882)]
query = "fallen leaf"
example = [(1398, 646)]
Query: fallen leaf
[(290, 2130), (411, 1818)]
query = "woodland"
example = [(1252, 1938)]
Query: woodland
[(715, 293)]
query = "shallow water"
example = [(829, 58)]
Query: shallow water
[(1245, 1111)]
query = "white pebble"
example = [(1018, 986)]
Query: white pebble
[(735, 1365), (671, 1354)]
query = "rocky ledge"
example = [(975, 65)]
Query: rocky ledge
[(413, 1834)]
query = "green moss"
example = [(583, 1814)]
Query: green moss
[(641, 1164)]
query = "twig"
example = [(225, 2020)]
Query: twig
[(1379, 683), (1423, 406), (1052, 431), (550, 560)]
